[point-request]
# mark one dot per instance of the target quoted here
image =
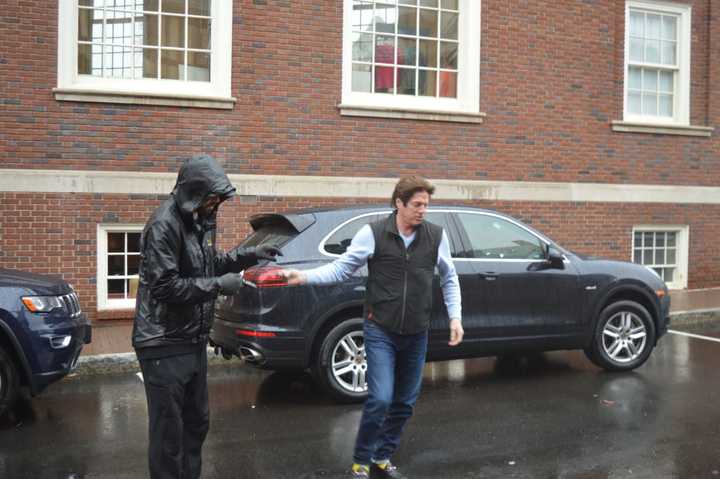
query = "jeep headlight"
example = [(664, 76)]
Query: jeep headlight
[(42, 304)]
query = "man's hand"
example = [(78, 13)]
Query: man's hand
[(456, 332), (293, 277), (268, 252), (230, 283)]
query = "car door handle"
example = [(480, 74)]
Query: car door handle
[(489, 275)]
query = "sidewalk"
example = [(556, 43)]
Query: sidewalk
[(111, 345)]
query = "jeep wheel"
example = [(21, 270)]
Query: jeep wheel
[(8, 382), (340, 366), (624, 337)]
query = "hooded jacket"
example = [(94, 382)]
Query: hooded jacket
[(179, 265)]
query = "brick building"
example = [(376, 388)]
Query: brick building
[(592, 120)]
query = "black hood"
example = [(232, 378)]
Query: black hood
[(199, 177), (39, 284)]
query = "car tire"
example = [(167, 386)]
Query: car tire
[(624, 337), (9, 381), (340, 365)]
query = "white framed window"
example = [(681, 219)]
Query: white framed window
[(657, 62), (663, 249), (421, 55), (164, 48), (118, 265)]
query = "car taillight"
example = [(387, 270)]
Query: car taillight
[(265, 276), (254, 334)]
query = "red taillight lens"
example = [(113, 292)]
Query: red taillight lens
[(254, 334), (265, 276)]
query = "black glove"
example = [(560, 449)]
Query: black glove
[(268, 252), (230, 283)]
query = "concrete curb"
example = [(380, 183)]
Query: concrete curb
[(127, 362)]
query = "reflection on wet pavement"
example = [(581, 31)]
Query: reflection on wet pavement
[(550, 415)]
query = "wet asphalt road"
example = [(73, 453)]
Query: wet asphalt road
[(545, 416)]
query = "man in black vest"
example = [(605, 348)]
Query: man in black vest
[(401, 252)]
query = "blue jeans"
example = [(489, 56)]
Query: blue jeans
[(394, 375)]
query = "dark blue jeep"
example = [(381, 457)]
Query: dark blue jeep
[(42, 331)]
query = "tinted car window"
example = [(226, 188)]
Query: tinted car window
[(339, 241), (441, 219), (495, 238)]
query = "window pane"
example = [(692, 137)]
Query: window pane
[(119, 30), (660, 239), (91, 3), (647, 256), (428, 53), (133, 242), (173, 6), (198, 68), (448, 55), (362, 47), (668, 53), (428, 23), (362, 15), (670, 260), (384, 49), (406, 51), (650, 80), (429, 3), (173, 31), (669, 275), (652, 51), (118, 62), (659, 271), (199, 7), (427, 81), (648, 239), (199, 33), (116, 242), (666, 81), (133, 264), (635, 78), (650, 104), (637, 24), (171, 64), (361, 78), (406, 81), (448, 84), (385, 18), (671, 239), (653, 26), (384, 79), (450, 4), (150, 30), (407, 2), (669, 28), (659, 256), (665, 107), (150, 63), (637, 49), (150, 5), (407, 23), (116, 288), (449, 25), (635, 103), (85, 60), (637, 256), (85, 25), (116, 265), (132, 286), (638, 240), (496, 238)]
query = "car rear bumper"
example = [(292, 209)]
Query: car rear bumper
[(276, 349)]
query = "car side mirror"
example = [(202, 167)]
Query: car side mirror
[(554, 257)]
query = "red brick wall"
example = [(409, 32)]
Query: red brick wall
[(551, 81), (38, 233)]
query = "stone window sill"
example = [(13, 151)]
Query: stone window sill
[(352, 110), (660, 129), (96, 96)]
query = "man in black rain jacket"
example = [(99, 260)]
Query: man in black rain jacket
[(181, 274)]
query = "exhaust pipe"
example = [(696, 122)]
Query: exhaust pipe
[(250, 355)]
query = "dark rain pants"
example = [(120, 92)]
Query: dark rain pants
[(177, 397)]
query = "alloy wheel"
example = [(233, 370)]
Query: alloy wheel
[(349, 363), (624, 337)]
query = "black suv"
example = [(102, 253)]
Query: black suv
[(520, 292), (42, 331)]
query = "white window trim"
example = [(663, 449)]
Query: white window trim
[(681, 250), (103, 303), (682, 92), (468, 100), (71, 85)]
